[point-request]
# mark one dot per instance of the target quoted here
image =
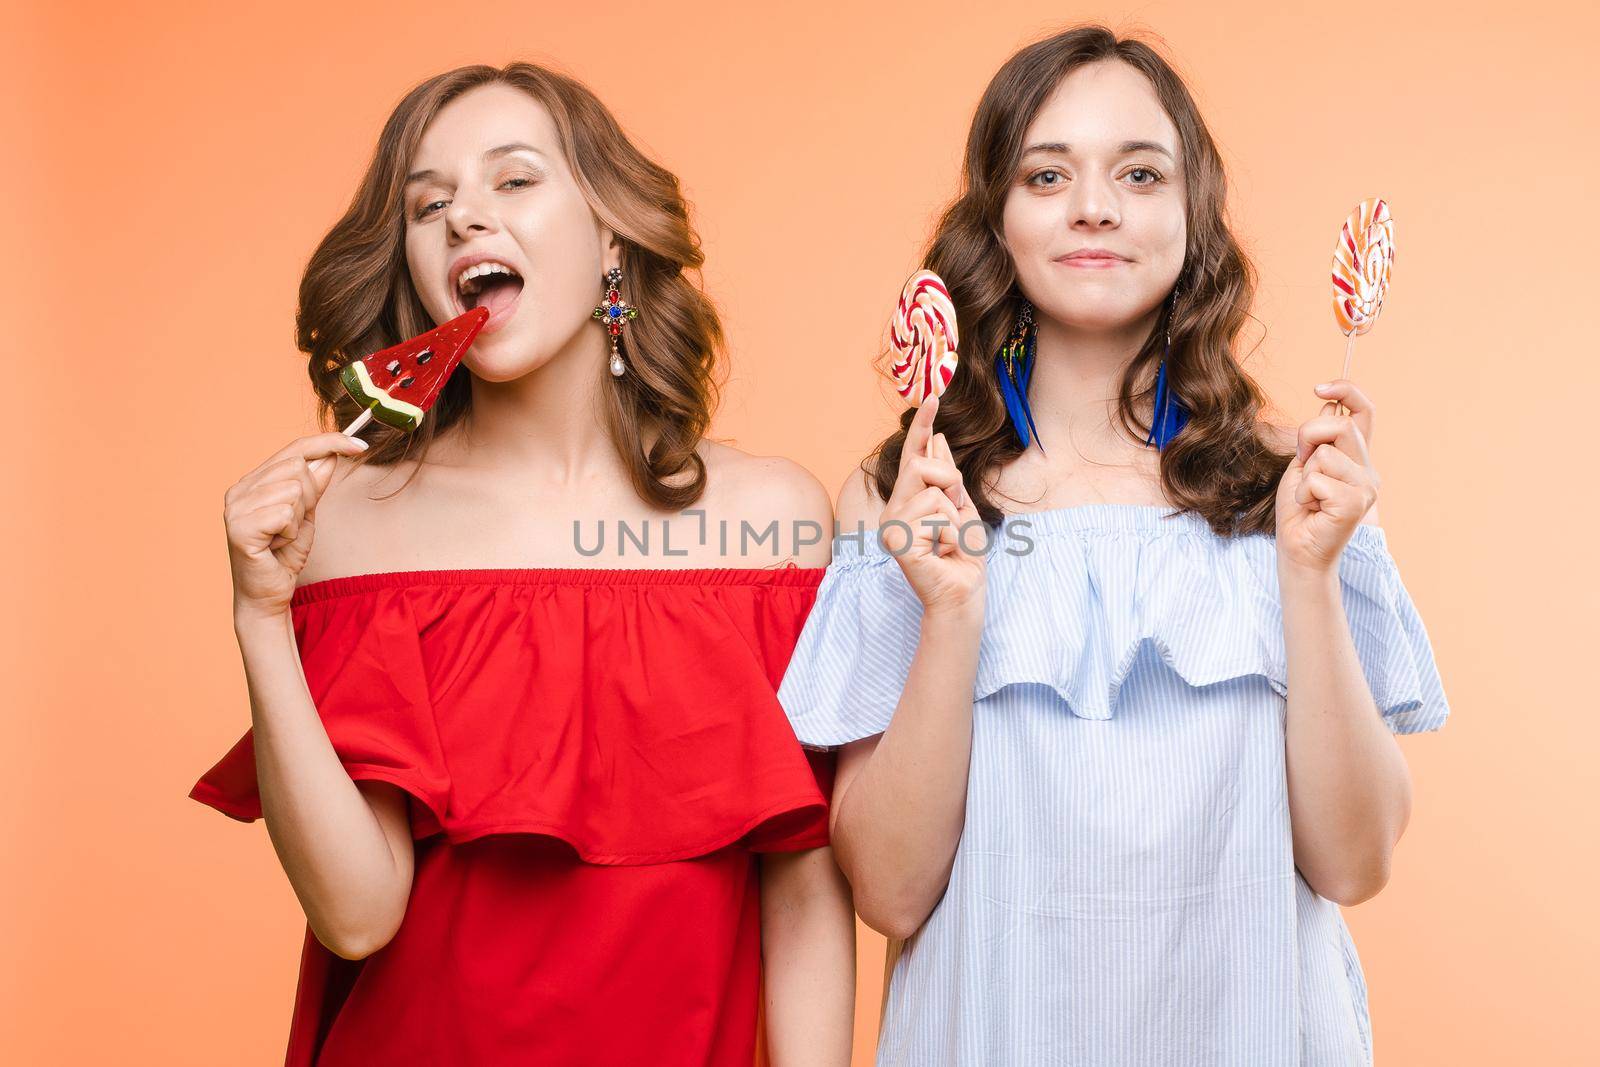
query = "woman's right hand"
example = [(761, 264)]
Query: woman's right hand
[(269, 515), (947, 575)]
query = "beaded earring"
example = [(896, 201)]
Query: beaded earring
[(1013, 366), (1168, 414), (615, 313)]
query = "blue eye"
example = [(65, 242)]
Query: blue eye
[(1033, 179), (1155, 179)]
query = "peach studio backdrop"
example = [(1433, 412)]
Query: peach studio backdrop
[(169, 167)]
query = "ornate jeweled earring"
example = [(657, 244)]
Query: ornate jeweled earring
[(615, 313), (1013, 365), (1168, 414)]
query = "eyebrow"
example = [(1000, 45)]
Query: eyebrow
[(1123, 149), (493, 153)]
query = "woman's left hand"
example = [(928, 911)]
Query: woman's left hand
[(1330, 485)]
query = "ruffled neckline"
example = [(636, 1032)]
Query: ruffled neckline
[(629, 712), (1073, 612), (355, 584)]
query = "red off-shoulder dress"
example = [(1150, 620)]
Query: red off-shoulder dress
[(593, 760)]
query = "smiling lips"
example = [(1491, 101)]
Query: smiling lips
[(486, 281), (1091, 259)]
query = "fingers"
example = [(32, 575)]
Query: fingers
[(305, 454), (304, 477), (1357, 403), (258, 520), (314, 446), (930, 521), (958, 491), (920, 430), (1341, 431), (286, 482), (1340, 480), (1340, 499), (933, 520), (918, 472), (265, 509), (1315, 487), (1330, 461)]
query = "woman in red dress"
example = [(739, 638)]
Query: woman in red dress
[(538, 808)]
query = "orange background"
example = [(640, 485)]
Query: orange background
[(169, 168)]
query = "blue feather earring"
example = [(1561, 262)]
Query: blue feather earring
[(1168, 415), (1013, 365)]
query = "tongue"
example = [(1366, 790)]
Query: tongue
[(498, 295)]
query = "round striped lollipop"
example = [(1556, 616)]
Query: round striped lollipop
[(1362, 262), (922, 338)]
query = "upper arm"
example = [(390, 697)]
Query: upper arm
[(391, 807), (859, 503), (851, 758), (859, 506)]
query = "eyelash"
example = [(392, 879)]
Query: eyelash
[(1053, 170), (427, 208)]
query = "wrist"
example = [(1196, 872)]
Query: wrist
[(254, 621), (960, 615), (1295, 579)]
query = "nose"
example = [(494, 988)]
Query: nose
[(1093, 205), (470, 213)]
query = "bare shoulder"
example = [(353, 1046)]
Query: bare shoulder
[(762, 490), (859, 502), (346, 518)]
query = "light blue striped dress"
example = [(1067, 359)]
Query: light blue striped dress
[(1124, 892)]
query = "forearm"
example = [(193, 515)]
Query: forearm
[(808, 946), (330, 842), (1349, 787), (900, 818)]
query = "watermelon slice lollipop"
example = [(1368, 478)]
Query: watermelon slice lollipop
[(399, 384)]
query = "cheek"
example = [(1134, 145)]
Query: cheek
[(1027, 227), (1163, 231), (426, 266), (563, 251)]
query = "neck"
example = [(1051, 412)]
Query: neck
[(1077, 376), (548, 422)]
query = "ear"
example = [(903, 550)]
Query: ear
[(610, 248)]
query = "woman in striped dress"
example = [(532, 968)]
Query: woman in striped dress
[(1114, 688)]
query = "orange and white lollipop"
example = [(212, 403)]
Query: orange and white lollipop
[(1362, 263), (922, 338)]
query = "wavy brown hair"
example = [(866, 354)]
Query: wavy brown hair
[(1222, 464), (357, 297)]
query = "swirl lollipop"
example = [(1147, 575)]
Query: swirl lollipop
[(922, 339), (1362, 262)]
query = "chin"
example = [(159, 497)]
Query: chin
[(487, 367), (1092, 316)]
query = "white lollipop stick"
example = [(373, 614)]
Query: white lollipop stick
[(349, 431)]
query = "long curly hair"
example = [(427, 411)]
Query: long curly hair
[(357, 296), (1222, 464)]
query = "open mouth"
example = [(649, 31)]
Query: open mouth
[(490, 285)]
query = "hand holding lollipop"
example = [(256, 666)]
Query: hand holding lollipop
[(923, 339), (1362, 262)]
